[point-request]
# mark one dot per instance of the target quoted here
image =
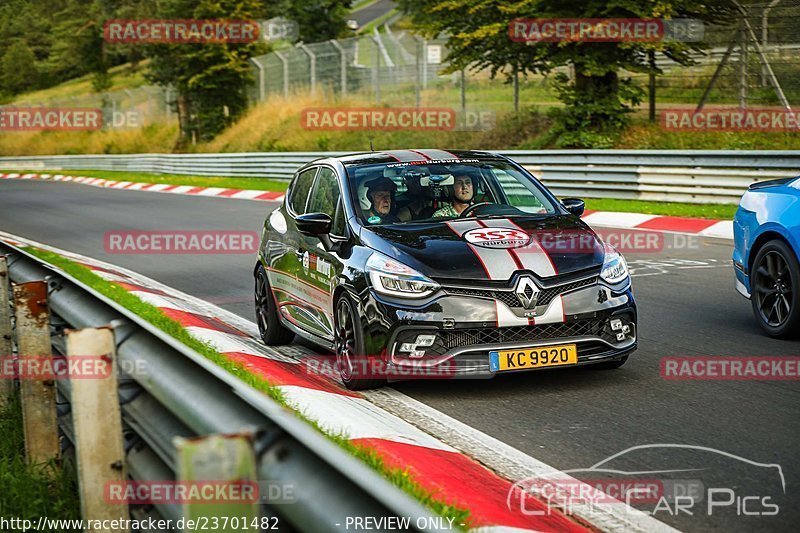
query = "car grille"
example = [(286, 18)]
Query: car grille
[(458, 338), (509, 298)]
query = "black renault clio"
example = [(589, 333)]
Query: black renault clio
[(433, 263)]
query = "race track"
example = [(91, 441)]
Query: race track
[(570, 419)]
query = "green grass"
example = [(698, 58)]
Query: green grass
[(398, 476), (260, 184), (716, 211), (122, 77), (29, 492)]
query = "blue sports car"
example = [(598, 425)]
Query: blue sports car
[(766, 231)]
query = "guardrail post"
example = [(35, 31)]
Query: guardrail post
[(97, 423), (6, 382), (38, 395), (230, 461)]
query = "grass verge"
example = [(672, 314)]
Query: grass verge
[(401, 478), (260, 184), (29, 492), (715, 211)]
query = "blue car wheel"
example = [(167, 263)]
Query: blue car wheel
[(775, 281)]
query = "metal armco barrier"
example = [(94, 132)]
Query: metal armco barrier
[(693, 176), (176, 392)]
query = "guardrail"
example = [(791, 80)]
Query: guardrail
[(693, 176), (175, 393)]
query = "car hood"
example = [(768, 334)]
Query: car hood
[(491, 249)]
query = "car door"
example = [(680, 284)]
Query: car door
[(319, 266), (285, 272)]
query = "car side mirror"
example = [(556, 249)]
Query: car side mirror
[(316, 225), (576, 206)]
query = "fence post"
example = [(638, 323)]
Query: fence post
[(6, 382), (225, 459), (343, 74), (38, 395), (463, 92), (261, 78), (651, 57), (97, 424), (516, 90), (313, 60), (743, 68), (424, 64), (377, 75), (285, 64), (417, 81)]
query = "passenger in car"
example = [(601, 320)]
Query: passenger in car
[(380, 193)]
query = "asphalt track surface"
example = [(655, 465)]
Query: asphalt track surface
[(570, 419), (367, 14)]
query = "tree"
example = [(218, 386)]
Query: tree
[(318, 20), (19, 72), (211, 79), (596, 99)]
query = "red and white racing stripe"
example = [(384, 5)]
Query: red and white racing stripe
[(501, 263), (497, 262)]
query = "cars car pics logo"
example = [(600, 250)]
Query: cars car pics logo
[(497, 237)]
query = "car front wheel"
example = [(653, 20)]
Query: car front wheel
[(354, 365), (775, 295)]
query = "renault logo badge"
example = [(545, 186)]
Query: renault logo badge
[(527, 292)]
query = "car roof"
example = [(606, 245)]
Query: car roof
[(413, 155)]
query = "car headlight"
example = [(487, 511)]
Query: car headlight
[(396, 279), (615, 269)]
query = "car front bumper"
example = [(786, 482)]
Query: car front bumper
[(467, 327)]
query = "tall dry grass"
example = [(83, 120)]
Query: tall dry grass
[(152, 138)]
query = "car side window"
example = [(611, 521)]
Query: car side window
[(337, 228), (326, 193), (298, 196)]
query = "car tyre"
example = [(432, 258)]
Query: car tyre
[(611, 365), (269, 323), (775, 290), (349, 346)]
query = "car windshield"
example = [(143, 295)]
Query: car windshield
[(431, 191)]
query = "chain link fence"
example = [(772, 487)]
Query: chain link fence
[(748, 63)]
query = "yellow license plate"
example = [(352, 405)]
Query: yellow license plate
[(526, 358)]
